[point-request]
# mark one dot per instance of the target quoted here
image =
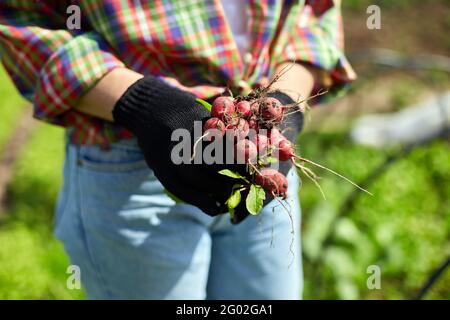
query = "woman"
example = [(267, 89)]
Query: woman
[(120, 85)]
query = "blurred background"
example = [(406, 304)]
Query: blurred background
[(390, 133)]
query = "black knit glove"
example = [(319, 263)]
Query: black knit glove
[(152, 110), (291, 126)]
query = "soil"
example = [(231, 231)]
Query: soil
[(420, 29)]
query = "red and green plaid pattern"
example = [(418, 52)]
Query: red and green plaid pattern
[(186, 43)]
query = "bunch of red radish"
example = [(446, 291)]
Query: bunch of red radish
[(252, 125)]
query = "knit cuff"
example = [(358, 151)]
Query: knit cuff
[(136, 108)]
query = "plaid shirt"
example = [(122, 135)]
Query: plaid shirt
[(186, 43)]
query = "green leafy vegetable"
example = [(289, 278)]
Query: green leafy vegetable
[(235, 198), (255, 199), (204, 103), (231, 174), (271, 160)]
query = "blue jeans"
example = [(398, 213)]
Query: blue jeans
[(131, 241)]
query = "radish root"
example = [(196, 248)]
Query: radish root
[(333, 172)]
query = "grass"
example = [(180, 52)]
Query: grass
[(10, 108), (404, 228), (32, 262)]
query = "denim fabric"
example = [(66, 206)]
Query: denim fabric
[(131, 241)]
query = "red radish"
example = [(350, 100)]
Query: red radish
[(253, 123), (245, 151), (254, 107), (272, 181), (243, 108), (239, 127), (285, 150), (222, 108), (272, 111), (262, 143), (276, 136), (214, 123)]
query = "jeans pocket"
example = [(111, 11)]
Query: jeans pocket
[(118, 157)]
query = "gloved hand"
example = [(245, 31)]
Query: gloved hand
[(152, 110), (291, 126)]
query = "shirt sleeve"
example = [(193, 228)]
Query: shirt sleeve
[(50, 65), (317, 38)]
